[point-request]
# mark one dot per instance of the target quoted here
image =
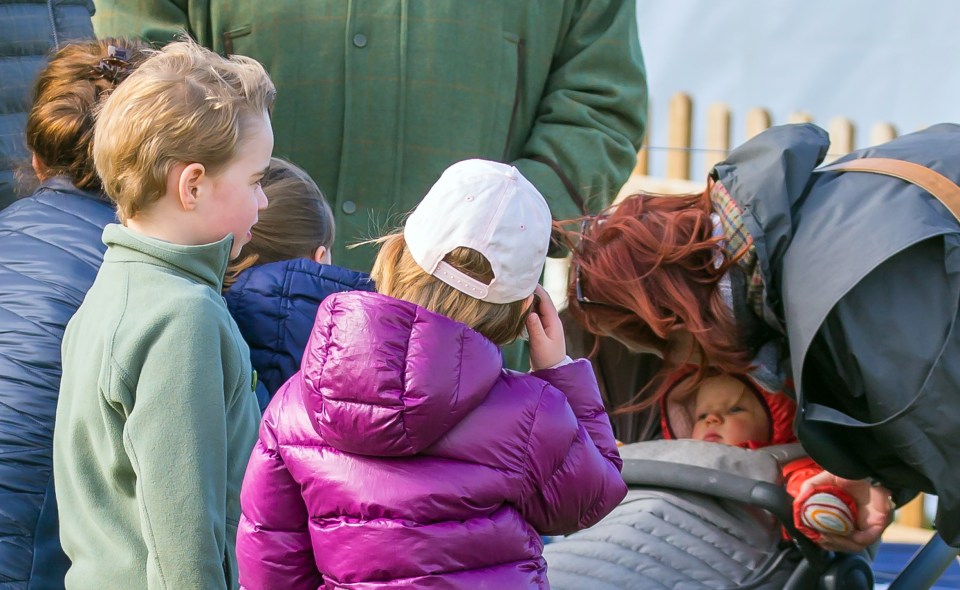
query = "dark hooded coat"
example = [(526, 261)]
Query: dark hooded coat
[(862, 281)]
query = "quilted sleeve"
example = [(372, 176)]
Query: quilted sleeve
[(573, 469), (592, 111), (578, 383), (798, 471)]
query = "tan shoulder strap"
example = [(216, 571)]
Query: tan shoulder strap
[(938, 185)]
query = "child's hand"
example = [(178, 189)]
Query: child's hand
[(547, 347)]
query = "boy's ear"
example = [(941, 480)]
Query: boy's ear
[(191, 178)]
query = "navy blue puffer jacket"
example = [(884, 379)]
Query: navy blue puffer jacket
[(29, 31), (50, 250), (275, 304)]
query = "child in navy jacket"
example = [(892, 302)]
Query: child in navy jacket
[(276, 286)]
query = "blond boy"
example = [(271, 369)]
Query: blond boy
[(156, 416)]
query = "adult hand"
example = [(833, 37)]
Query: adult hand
[(874, 512), (547, 347)]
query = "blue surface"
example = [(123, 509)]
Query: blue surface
[(892, 557)]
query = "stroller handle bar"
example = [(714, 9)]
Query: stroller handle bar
[(767, 496), (921, 572)]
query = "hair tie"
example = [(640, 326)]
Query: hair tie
[(114, 67)]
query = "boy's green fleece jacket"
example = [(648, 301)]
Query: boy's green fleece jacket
[(155, 421)]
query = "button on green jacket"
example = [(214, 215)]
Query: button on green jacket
[(377, 97)]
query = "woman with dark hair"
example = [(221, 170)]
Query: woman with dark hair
[(842, 285), (50, 250)]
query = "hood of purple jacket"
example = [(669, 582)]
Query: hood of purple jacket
[(399, 390)]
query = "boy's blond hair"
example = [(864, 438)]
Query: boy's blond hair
[(184, 104), (398, 275)]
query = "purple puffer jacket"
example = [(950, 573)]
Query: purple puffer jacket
[(403, 456)]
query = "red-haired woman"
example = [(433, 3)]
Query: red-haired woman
[(844, 285)]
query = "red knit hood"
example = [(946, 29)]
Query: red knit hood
[(676, 410)]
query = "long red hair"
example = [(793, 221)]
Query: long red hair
[(650, 266)]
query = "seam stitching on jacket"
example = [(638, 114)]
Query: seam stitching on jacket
[(528, 467)]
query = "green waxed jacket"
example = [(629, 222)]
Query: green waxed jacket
[(155, 421), (377, 97)]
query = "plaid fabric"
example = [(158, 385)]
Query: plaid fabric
[(738, 244), (376, 98)]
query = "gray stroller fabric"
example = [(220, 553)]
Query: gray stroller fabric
[(663, 539)]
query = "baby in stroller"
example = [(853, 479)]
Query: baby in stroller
[(739, 411), (669, 538)]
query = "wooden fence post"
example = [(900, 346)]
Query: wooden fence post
[(757, 120), (911, 513), (841, 137), (643, 156), (678, 136), (718, 135), (882, 132)]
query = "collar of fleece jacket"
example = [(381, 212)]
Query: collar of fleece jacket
[(389, 378), (676, 410)]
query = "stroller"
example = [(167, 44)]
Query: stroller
[(702, 515)]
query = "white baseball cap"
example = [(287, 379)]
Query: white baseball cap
[(491, 208)]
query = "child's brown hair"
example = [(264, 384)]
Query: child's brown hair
[(296, 222)]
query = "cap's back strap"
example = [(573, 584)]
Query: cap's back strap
[(460, 281), (938, 185)]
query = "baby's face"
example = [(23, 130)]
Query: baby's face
[(727, 412)]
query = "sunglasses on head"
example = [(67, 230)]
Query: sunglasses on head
[(582, 299)]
